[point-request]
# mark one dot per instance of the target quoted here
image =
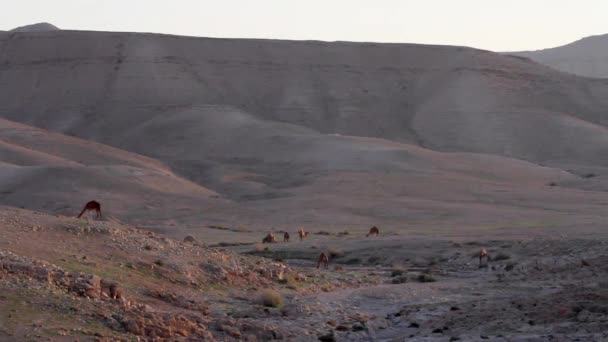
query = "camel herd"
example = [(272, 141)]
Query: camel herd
[(323, 258), (270, 238)]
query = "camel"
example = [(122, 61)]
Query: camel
[(92, 205), (286, 237), (269, 238), (483, 254), (302, 234), (323, 259), (373, 231)]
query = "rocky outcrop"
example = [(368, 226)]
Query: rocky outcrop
[(81, 284)]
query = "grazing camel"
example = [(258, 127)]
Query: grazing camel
[(269, 238), (373, 231), (323, 259), (483, 254), (92, 205), (286, 237), (302, 234)]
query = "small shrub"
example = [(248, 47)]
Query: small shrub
[(271, 298), (374, 259), (148, 247), (552, 184), (343, 233), (588, 175), (290, 281), (399, 280), (335, 253), (322, 232), (397, 272), (352, 261), (501, 256), (426, 278), (159, 263)]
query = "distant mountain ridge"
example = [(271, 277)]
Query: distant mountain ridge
[(585, 57), (39, 27)]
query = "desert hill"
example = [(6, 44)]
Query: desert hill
[(321, 134), (586, 57)]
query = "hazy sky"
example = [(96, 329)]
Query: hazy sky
[(489, 24)]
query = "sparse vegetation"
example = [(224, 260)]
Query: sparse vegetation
[(501, 256), (159, 262), (374, 259), (290, 281), (271, 298), (335, 253), (397, 272), (399, 280), (353, 261), (426, 278)]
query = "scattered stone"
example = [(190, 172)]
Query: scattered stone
[(328, 338), (190, 239)]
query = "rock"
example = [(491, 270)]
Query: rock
[(190, 239), (328, 338), (358, 327)]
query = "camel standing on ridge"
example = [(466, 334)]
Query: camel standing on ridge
[(269, 238), (483, 254), (323, 259), (302, 234), (373, 231), (90, 206)]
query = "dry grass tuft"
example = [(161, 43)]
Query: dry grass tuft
[(271, 298)]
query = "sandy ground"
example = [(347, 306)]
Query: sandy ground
[(548, 286)]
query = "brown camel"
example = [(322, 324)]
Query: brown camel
[(92, 205), (286, 237), (373, 231), (323, 259), (302, 234), (269, 238), (483, 254)]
